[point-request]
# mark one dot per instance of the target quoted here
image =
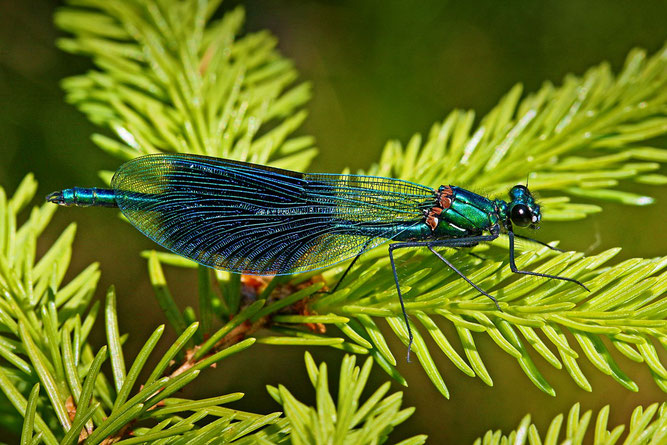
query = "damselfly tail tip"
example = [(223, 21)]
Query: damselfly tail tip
[(56, 197)]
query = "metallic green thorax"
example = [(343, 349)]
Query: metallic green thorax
[(469, 214), (458, 213)]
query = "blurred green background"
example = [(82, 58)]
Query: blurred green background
[(379, 70)]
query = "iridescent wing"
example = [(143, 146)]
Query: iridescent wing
[(260, 220)]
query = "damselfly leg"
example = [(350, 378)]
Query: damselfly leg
[(457, 243), (452, 242), (515, 269)]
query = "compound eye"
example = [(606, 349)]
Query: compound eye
[(521, 215)]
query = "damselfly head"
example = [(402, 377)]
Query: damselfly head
[(523, 210)]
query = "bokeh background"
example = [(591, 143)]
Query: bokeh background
[(380, 70)]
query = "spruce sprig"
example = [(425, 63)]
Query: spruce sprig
[(581, 138), (51, 373), (171, 77), (646, 426), (345, 419)]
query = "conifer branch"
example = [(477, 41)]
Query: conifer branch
[(646, 426), (172, 78), (169, 78), (582, 138), (346, 419), (49, 371)]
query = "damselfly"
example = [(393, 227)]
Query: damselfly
[(259, 220)]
